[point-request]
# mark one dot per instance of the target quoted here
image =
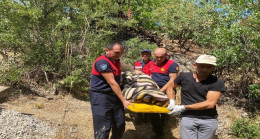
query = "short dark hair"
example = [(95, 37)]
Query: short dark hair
[(112, 44)]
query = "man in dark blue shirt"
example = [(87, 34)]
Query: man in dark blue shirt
[(163, 72), (106, 99)]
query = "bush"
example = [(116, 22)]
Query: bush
[(11, 75), (254, 92), (246, 129), (76, 84)]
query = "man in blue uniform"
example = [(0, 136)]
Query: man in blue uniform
[(200, 91), (163, 72), (106, 99)]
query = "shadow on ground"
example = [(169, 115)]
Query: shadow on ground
[(142, 129)]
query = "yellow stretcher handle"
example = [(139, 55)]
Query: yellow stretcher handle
[(147, 108)]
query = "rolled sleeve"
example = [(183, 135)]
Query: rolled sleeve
[(103, 66), (174, 68)]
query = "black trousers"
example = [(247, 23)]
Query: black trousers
[(158, 121)]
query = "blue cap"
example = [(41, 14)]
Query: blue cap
[(146, 50)]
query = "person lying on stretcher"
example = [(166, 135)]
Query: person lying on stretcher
[(140, 88)]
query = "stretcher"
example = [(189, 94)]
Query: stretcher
[(147, 108)]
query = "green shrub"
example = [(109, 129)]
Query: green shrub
[(246, 129), (76, 84), (10, 75), (254, 92)]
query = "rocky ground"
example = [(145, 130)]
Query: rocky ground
[(64, 117)]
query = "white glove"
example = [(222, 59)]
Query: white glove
[(177, 110), (171, 104)]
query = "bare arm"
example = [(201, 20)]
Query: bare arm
[(109, 77), (169, 83), (171, 90), (211, 101)]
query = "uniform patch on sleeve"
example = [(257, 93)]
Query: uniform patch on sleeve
[(103, 66)]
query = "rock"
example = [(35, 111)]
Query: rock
[(244, 115), (186, 64), (50, 97), (4, 91)]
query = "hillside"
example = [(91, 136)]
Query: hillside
[(47, 49), (68, 117), (63, 116)]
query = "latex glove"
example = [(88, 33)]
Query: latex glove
[(171, 104), (177, 110)]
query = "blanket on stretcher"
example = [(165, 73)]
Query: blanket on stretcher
[(140, 88)]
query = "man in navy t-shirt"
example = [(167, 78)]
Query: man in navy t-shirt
[(163, 72), (200, 91), (106, 99)]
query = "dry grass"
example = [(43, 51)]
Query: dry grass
[(232, 113), (39, 105)]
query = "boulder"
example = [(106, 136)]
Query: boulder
[(4, 91)]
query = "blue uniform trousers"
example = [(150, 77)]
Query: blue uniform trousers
[(108, 112)]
